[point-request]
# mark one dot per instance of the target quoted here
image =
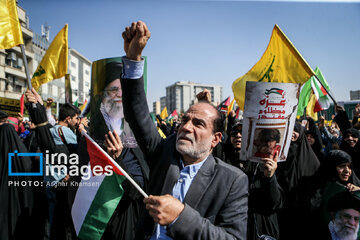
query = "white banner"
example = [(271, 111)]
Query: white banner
[(269, 117)]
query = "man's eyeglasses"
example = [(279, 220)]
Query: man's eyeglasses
[(113, 90), (348, 217)]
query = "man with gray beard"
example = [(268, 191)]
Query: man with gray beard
[(344, 208), (192, 195)]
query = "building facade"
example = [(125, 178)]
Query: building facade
[(156, 107), (13, 80), (355, 95), (163, 103), (181, 95)]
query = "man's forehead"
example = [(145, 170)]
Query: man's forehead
[(202, 109), (115, 83), (351, 211)]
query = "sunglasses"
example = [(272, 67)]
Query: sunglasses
[(235, 132)]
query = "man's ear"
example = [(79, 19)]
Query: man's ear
[(67, 119), (217, 138)]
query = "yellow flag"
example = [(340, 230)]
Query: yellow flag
[(281, 62), (10, 30), (83, 106), (164, 114), (55, 61), (231, 106), (161, 133), (310, 108)]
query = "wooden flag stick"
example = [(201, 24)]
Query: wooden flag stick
[(116, 165)]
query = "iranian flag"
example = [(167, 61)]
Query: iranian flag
[(321, 94), (97, 197)]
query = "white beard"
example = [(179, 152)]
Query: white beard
[(112, 108), (344, 233), (114, 114), (200, 150)]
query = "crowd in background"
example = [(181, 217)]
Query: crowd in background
[(289, 203)]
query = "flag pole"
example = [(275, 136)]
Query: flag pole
[(26, 70), (326, 90), (26, 66), (116, 165)]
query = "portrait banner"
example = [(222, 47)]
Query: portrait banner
[(106, 110), (269, 118)]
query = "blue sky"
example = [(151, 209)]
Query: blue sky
[(211, 42)]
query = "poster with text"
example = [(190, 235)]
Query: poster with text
[(269, 117)]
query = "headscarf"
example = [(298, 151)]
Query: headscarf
[(354, 152), (300, 163), (3, 114), (327, 171), (14, 200)]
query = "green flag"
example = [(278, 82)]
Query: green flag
[(304, 97), (76, 103), (306, 91)]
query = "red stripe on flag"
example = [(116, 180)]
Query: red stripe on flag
[(280, 91), (227, 102), (317, 107), (97, 157), (323, 90)]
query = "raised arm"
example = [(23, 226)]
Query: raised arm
[(134, 99)]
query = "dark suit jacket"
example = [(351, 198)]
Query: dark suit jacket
[(216, 203)]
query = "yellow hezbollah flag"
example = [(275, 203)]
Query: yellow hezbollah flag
[(10, 30), (55, 61), (281, 62), (310, 108), (161, 133), (164, 114)]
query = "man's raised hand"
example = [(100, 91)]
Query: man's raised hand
[(135, 39)]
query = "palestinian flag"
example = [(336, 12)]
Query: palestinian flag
[(223, 106), (96, 198), (275, 91), (239, 114), (173, 115)]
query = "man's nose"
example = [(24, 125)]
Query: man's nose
[(187, 126), (353, 222)]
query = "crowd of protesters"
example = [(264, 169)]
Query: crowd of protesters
[(314, 194)]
